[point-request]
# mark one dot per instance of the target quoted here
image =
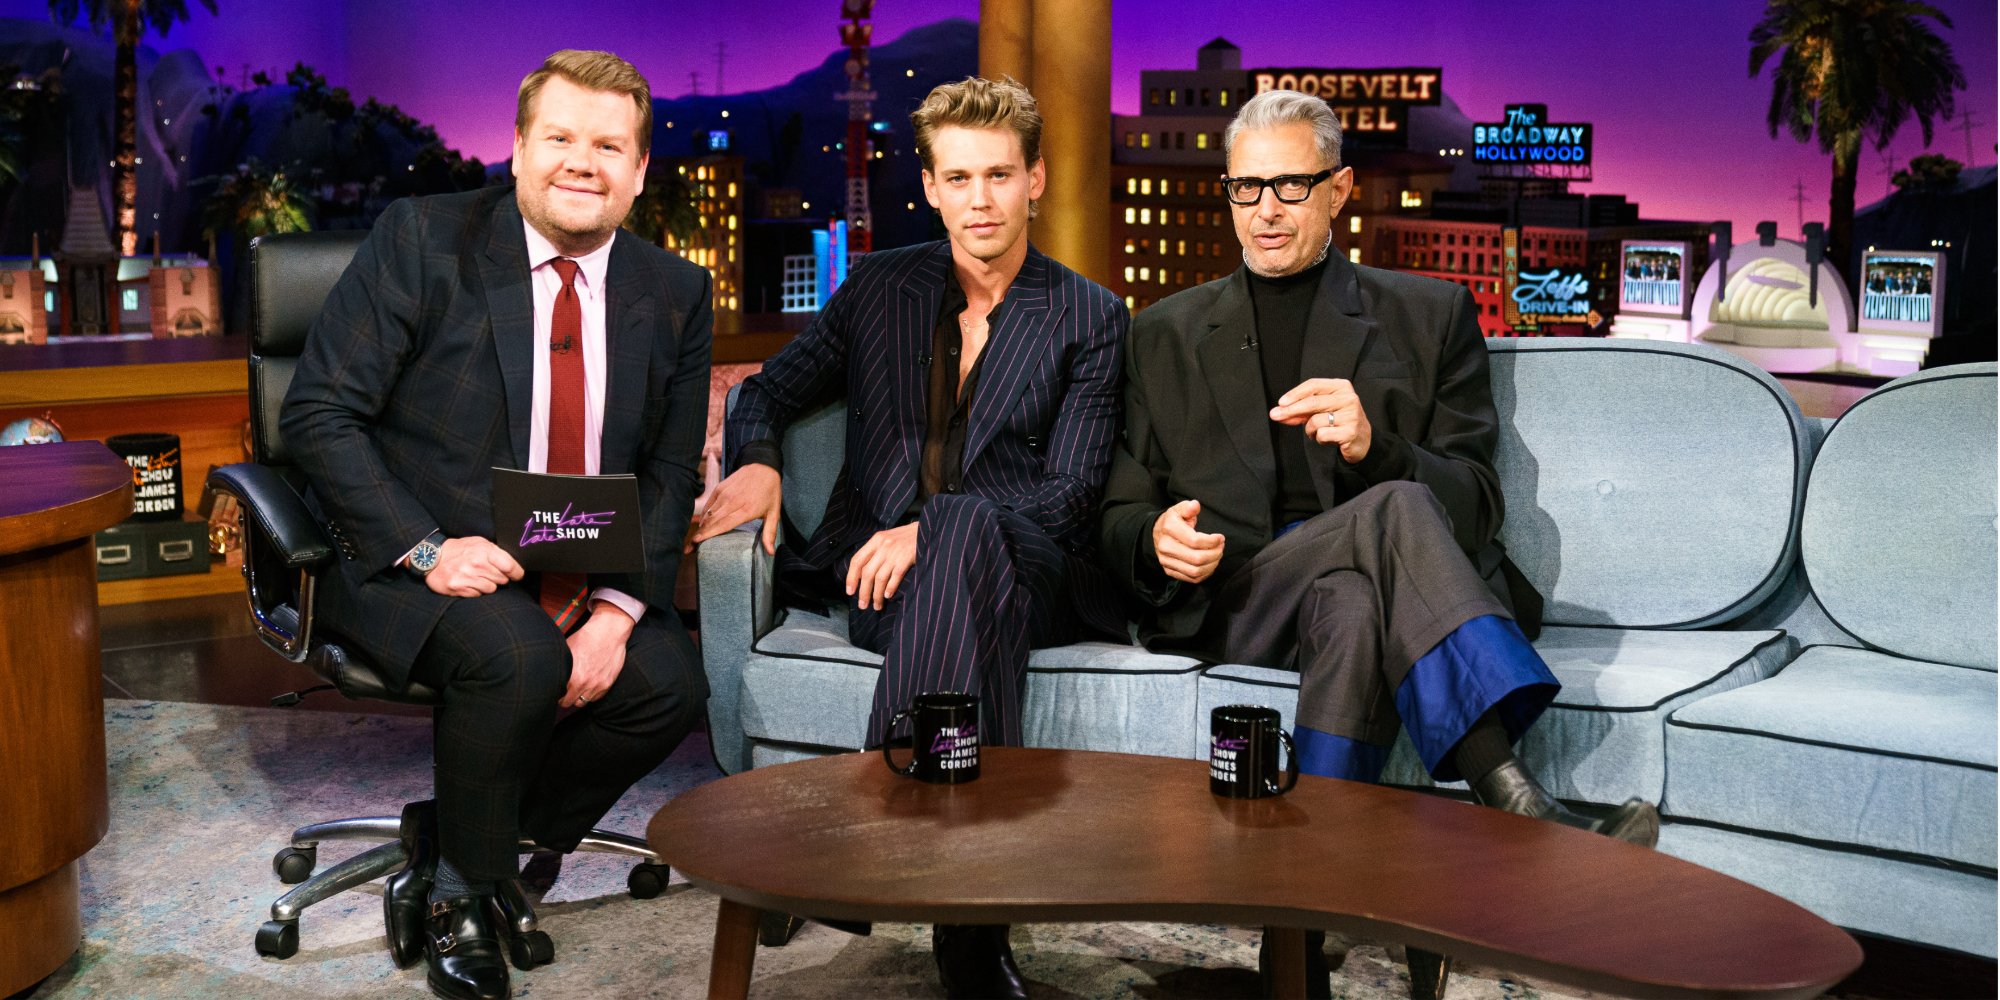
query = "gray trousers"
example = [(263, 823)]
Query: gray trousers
[(1351, 599)]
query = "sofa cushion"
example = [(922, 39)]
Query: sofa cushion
[(1846, 746), (1859, 890), (1601, 740), (1629, 505), (806, 684), (1898, 532)]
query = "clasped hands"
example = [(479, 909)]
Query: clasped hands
[(473, 566), (1330, 413)]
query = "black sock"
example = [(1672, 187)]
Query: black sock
[(1484, 748), (452, 883)]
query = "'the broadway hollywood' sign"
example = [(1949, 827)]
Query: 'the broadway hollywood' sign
[(1367, 100), (1528, 138)]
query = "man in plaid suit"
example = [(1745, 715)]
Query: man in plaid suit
[(512, 326)]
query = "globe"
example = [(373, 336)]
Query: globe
[(30, 430)]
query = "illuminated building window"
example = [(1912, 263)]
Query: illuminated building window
[(1354, 223), (1146, 186), (1180, 218), (1180, 188), (1131, 184), (1163, 217), (1163, 185), (1180, 277), (1130, 272), (1145, 274), (1201, 140), (1414, 199), (1128, 301), (732, 189), (1145, 140), (1130, 248), (1222, 97), (129, 299), (1131, 215), (1145, 216), (732, 222), (1128, 139), (1201, 188), (1200, 249), (1172, 95), (1215, 249), (1163, 276), (1180, 248), (1153, 96), (1354, 254)]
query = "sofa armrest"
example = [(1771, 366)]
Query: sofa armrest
[(738, 604)]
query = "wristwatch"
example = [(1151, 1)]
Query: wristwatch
[(424, 557)]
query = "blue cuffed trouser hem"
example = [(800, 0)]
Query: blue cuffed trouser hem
[(1331, 756), (1483, 664)]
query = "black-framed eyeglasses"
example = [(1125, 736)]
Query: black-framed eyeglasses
[(1290, 188)]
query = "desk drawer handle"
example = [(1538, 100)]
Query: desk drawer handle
[(114, 555), (177, 551)]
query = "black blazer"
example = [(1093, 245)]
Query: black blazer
[(1411, 346), (1044, 412), (418, 379)]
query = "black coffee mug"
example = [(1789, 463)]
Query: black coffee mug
[(944, 738), (1243, 752)]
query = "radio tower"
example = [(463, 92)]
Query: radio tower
[(854, 33)]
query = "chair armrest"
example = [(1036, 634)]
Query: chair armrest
[(280, 514), (738, 605)]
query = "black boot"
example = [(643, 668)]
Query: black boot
[(462, 943), (1319, 975), (976, 963), (1510, 787), (406, 895)]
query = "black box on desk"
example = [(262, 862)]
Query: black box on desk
[(135, 549)]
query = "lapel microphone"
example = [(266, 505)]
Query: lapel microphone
[(1249, 341)]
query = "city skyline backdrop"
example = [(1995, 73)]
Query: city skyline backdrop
[(1679, 121)]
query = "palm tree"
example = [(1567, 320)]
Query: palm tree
[(1850, 71), (131, 19)]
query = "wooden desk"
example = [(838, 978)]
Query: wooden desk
[(1060, 835), (53, 805), (196, 387)]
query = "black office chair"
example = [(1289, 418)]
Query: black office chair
[(284, 549)]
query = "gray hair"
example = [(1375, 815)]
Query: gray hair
[(1273, 108)]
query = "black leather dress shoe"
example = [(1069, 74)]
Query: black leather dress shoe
[(976, 963), (1512, 788), (462, 943), (1319, 975), (406, 895)]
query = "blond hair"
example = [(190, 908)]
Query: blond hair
[(979, 103), (590, 70)]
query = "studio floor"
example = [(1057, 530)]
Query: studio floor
[(207, 780)]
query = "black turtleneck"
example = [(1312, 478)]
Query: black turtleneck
[(1282, 306)]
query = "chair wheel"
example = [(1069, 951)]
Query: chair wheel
[(278, 939), (647, 880), (530, 948), (295, 864)]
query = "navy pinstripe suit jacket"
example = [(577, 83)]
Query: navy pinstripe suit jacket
[(1044, 412), (418, 378)]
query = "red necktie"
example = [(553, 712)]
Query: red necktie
[(563, 593)]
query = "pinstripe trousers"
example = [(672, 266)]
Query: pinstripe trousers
[(988, 586), (507, 768)]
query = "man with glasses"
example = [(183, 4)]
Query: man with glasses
[(1306, 479)]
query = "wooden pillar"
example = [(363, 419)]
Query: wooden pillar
[(1066, 62)]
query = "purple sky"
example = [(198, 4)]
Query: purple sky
[(1679, 123)]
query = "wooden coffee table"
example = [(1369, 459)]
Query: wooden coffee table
[(1060, 835)]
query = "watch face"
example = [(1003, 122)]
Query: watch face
[(425, 558)]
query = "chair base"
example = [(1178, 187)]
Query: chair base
[(279, 938)]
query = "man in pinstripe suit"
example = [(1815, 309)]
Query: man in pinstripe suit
[(981, 379), (515, 326)]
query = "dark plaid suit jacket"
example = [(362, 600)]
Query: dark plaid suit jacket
[(418, 379), (1044, 412)]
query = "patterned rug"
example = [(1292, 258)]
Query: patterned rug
[(202, 795)]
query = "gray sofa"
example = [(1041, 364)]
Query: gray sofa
[(1654, 495)]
